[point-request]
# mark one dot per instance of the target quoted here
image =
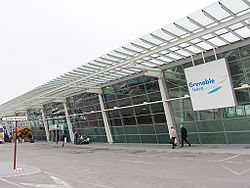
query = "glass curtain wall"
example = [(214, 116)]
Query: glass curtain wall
[(86, 117), (54, 113), (135, 111), (218, 126), (36, 123)]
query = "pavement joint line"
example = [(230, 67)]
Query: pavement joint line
[(228, 158)]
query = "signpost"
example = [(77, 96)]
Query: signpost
[(15, 118)]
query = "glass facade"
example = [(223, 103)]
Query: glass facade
[(55, 114), (135, 111), (219, 126), (86, 117), (36, 123), (136, 115)]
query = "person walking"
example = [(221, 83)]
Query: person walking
[(76, 137), (184, 136), (62, 138), (173, 135), (20, 136)]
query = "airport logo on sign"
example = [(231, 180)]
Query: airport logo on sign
[(209, 85)]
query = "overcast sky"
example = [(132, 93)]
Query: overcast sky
[(43, 39)]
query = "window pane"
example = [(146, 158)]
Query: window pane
[(139, 99), (139, 110), (144, 120), (152, 97), (160, 118), (152, 86), (124, 102), (137, 90), (127, 112), (240, 111), (113, 113), (207, 114), (129, 121), (115, 122), (156, 108)]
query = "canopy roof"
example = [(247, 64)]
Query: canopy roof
[(219, 24)]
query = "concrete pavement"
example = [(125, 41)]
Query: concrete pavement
[(128, 165)]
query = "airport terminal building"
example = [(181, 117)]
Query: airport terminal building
[(135, 93)]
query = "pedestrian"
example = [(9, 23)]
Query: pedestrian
[(184, 136), (30, 137), (62, 138), (20, 138), (76, 137), (173, 135)]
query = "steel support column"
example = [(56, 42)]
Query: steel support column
[(68, 123), (45, 125), (166, 105), (105, 120)]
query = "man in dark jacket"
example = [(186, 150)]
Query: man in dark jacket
[(62, 138), (184, 136)]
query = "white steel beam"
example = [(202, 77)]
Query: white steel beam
[(105, 120), (45, 124), (68, 123)]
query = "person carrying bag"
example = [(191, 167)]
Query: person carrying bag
[(173, 135)]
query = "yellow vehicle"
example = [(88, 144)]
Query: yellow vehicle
[(25, 132)]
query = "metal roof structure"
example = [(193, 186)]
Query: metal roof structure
[(219, 24)]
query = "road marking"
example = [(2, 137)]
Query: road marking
[(4, 180), (137, 162), (245, 171), (228, 158), (83, 182), (235, 172), (59, 183), (231, 170)]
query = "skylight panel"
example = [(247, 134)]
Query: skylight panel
[(244, 32), (185, 23), (230, 37), (184, 53), (216, 11), (204, 45), (236, 26), (217, 41), (193, 49), (235, 5), (201, 18)]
